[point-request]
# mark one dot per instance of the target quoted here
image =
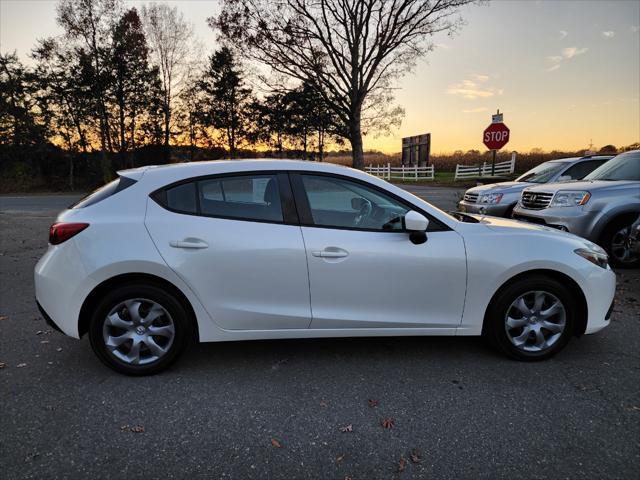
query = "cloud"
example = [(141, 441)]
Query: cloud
[(475, 110), (571, 52), (563, 34), (566, 54), (480, 77), (474, 87), (443, 46), (609, 34)]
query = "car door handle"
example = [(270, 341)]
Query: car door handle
[(189, 243), (331, 253)]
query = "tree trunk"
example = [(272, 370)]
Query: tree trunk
[(304, 143), (167, 117), (133, 139), (355, 137), (71, 172)]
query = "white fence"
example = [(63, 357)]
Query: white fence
[(484, 170), (401, 173)]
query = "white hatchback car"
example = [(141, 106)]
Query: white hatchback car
[(263, 249)]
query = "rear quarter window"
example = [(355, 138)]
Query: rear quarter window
[(104, 192)]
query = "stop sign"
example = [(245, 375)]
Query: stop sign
[(496, 136)]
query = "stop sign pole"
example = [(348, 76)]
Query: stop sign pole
[(495, 136)]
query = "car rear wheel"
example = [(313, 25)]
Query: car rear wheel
[(139, 329), (618, 242), (531, 319)]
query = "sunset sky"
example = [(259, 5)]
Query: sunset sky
[(565, 73)]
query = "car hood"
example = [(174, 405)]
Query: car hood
[(507, 225), (589, 185), (501, 187), (522, 232)]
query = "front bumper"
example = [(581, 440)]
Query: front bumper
[(574, 220), (495, 210)]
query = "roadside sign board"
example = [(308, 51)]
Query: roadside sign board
[(416, 150), (496, 136)]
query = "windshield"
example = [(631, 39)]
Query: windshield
[(542, 173), (625, 166)]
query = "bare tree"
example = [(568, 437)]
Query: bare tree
[(88, 23), (351, 50), (170, 37)]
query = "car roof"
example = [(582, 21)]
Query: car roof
[(212, 167)]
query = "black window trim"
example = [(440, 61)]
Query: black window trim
[(293, 200), (304, 210), (289, 213)]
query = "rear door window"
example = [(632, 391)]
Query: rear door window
[(242, 197)]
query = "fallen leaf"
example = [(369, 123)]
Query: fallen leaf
[(3, 317), (415, 456), (137, 429), (59, 349), (20, 365), (388, 423), (339, 458), (324, 404), (275, 443), (124, 428), (373, 403), (347, 477), (402, 464), (347, 428), (44, 341), (2, 365), (39, 332)]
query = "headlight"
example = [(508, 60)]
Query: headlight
[(491, 198), (598, 258), (566, 198)]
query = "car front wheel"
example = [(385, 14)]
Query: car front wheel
[(531, 319), (139, 329), (618, 241)]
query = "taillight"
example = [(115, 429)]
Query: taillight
[(61, 232)]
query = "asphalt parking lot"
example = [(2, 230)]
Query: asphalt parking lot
[(310, 408)]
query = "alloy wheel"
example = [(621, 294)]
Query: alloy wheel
[(535, 321), (138, 331), (621, 246)]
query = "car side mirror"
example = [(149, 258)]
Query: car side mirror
[(416, 224)]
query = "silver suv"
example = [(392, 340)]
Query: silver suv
[(498, 199), (602, 208)]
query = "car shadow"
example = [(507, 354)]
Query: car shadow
[(351, 351)]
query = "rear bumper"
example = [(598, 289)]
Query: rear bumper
[(47, 318), (60, 286)]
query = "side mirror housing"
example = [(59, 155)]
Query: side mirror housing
[(416, 224)]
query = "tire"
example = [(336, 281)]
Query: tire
[(615, 240), (506, 325), (143, 319)]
